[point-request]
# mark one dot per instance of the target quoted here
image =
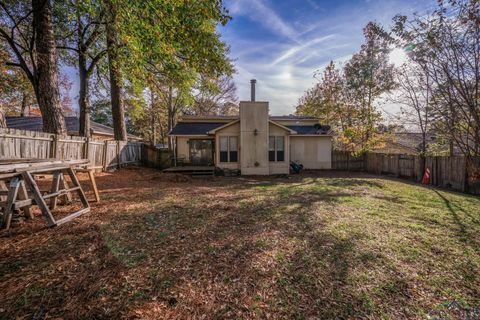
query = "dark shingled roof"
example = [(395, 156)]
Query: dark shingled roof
[(73, 125), (201, 128), (195, 128)]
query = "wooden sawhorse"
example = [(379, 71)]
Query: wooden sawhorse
[(23, 178)]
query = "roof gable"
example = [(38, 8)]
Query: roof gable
[(223, 127), (292, 131)]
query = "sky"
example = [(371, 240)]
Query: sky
[(283, 43)]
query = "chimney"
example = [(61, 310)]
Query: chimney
[(252, 88)]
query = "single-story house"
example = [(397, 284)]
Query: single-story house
[(35, 123), (253, 142)]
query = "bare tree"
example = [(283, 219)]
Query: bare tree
[(217, 97), (414, 98), (446, 45)]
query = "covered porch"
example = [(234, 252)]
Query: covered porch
[(191, 151)]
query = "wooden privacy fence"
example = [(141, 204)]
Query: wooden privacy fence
[(346, 161), (156, 158), (19, 144), (452, 172)]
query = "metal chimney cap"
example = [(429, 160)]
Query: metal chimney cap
[(252, 89)]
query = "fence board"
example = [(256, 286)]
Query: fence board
[(156, 158), (449, 172), (344, 160), (21, 144)]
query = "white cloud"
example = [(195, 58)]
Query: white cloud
[(298, 48), (261, 12)]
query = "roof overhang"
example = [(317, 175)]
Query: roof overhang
[(191, 135), (225, 119), (283, 127), (313, 135), (223, 127)]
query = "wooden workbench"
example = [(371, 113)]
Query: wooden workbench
[(23, 192)]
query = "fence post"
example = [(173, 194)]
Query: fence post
[(104, 156), (398, 165), (86, 148), (119, 163), (55, 146), (465, 174)]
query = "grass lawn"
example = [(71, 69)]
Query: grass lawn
[(315, 246)]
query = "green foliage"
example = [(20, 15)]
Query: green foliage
[(101, 112), (176, 38), (347, 100), (325, 100), (165, 46), (368, 75)]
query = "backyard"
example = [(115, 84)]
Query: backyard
[(316, 245)]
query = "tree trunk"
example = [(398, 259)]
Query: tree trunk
[(118, 109), (47, 89), (3, 122), (24, 105), (171, 116), (83, 102), (153, 128), (83, 98)]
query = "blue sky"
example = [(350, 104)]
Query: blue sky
[(283, 43)]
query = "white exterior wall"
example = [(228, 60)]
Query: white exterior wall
[(313, 152)]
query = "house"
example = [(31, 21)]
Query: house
[(98, 130), (410, 143), (253, 142)]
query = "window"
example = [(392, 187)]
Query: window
[(271, 149), (279, 148), (276, 149), (233, 149), (223, 149), (228, 149)]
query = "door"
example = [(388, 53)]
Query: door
[(201, 152)]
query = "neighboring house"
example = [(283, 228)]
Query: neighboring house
[(408, 143), (98, 131), (253, 142)]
